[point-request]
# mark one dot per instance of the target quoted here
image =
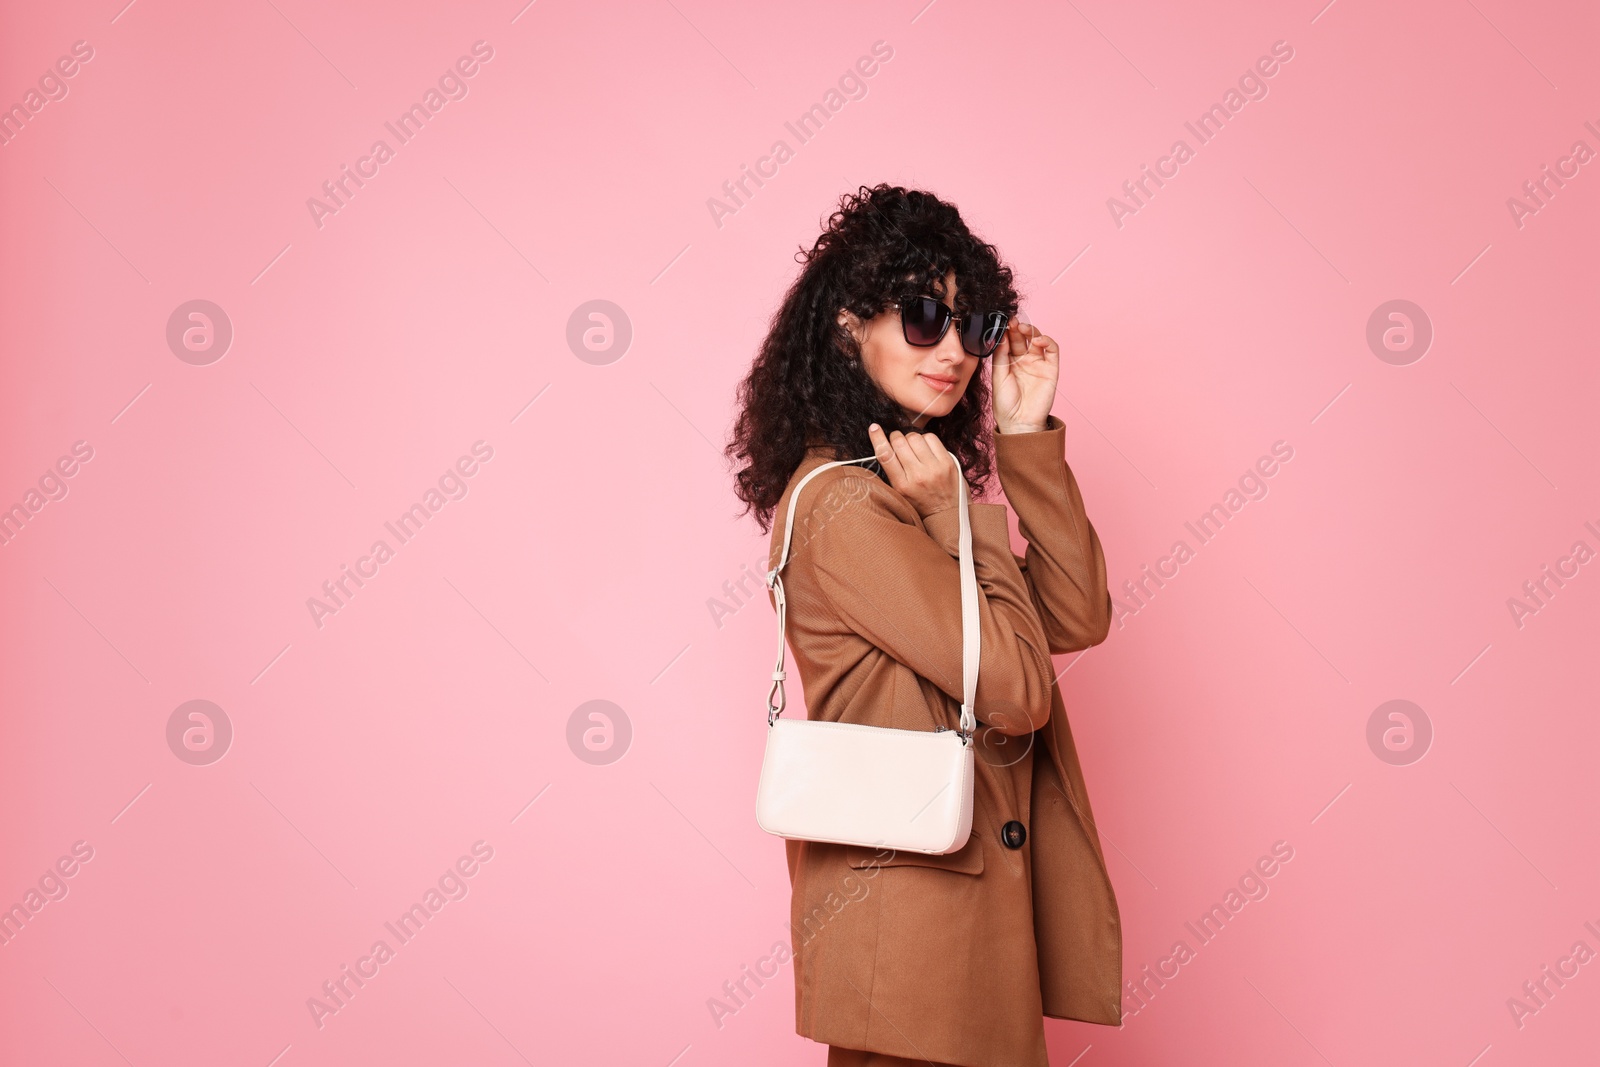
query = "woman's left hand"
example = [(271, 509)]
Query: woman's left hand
[(1027, 365)]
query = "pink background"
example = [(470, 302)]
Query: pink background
[(371, 352)]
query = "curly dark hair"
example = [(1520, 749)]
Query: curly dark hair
[(808, 384)]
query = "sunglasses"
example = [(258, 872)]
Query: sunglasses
[(924, 321)]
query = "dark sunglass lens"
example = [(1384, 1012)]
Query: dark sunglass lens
[(925, 320), (982, 332)]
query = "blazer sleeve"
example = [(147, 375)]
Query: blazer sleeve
[(1064, 565), (894, 579)]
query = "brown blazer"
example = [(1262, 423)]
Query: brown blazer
[(954, 958)]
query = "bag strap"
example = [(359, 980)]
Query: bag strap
[(970, 639)]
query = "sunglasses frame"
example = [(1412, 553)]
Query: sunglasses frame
[(952, 317)]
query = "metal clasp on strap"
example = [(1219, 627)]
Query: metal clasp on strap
[(964, 735), (775, 710)]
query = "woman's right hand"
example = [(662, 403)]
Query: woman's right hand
[(919, 467)]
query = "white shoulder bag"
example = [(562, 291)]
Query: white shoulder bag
[(876, 786)]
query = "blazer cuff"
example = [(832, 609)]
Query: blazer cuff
[(990, 528), (1047, 445)]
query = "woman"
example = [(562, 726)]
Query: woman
[(878, 349)]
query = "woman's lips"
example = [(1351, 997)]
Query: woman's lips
[(939, 384)]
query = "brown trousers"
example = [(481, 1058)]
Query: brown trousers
[(839, 1056)]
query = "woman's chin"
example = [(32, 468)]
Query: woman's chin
[(933, 407)]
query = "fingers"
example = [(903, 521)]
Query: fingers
[(917, 445), (1048, 347), (941, 460), (887, 455), (918, 465), (908, 458), (1024, 338), (1016, 342)]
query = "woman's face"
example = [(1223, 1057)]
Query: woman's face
[(926, 382)]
